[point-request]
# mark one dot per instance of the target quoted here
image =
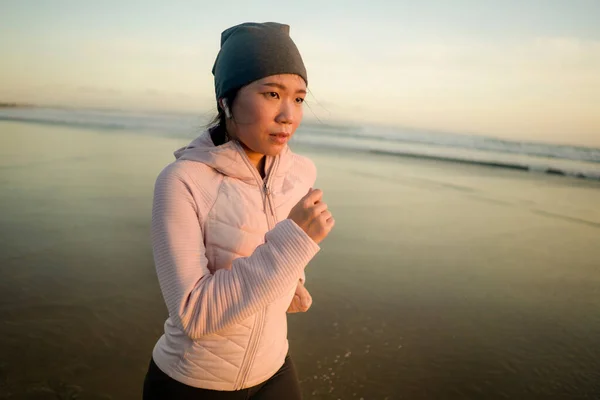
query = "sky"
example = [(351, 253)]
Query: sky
[(517, 69)]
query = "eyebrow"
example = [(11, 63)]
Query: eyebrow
[(282, 87)]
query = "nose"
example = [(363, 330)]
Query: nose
[(286, 113)]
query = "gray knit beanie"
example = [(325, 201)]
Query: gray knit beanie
[(252, 51)]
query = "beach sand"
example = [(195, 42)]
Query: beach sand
[(439, 280)]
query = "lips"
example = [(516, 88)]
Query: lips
[(279, 138)]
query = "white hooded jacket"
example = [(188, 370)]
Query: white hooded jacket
[(228, 262)]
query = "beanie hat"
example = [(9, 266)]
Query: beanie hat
[(252, 51)]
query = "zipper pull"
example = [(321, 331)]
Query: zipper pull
[(266, 189)]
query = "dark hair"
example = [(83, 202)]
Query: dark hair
[(217, 126)]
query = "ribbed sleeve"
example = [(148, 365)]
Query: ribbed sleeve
[(199, 302)]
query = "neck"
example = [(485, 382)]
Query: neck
[(257, 160)]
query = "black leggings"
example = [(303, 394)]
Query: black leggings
[(283, 385)]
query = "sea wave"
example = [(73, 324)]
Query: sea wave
[(577, 161)]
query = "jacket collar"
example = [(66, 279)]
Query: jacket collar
[(231, 160)]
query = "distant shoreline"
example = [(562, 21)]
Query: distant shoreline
[(15, 105), (349, 129), (524, 167)]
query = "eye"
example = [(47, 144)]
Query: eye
[(273, 95), (299, 100)]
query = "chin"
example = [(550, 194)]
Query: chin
[(272, 149), (267, 147)]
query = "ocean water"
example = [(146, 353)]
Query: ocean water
[(583, 162), (440, 280)]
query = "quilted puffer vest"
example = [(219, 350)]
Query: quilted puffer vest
[(228, 261)]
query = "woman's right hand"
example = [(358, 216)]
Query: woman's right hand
[(311, 214)]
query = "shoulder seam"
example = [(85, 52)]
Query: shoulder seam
[(212, 201)]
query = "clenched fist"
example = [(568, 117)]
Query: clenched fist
[(302, 300), (311, 214)]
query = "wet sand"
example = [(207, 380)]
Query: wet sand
[(439, 280)]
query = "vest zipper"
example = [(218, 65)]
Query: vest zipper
[(260, 317), (267, 191)]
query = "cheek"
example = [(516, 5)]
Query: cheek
[(257, 111), (248, 111), (253, 120), (266, 114)]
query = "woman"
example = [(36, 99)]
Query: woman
[(234, 223)]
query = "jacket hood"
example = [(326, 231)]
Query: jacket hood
[(230, 159)]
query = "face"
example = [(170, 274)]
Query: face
[(266, 114)]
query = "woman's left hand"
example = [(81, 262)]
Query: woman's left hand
[(302, 300)]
